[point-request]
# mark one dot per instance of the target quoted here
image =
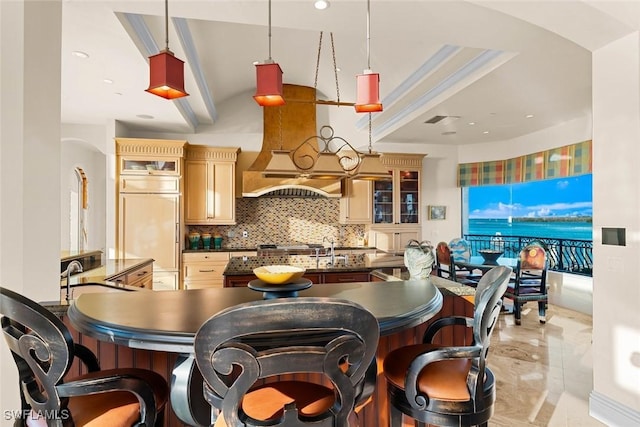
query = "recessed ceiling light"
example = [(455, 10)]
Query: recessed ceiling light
[(485, 132), (80, 54), (108, 81), (529, 116), (255, 62), (472, 123), (144, 116), (321, 4)]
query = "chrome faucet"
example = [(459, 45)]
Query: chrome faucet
[(73, 267), (332, 254)]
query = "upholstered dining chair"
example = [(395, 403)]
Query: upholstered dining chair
[(449, 385), (529, 282), (460, 249), (447, 268), (43, 350), (287, 361)]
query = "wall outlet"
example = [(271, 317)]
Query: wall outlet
[(245, 233)]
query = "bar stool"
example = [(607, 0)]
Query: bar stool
[(43, 351), (287, 361), (449, 385)]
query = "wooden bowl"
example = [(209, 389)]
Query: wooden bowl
[(278, 274)]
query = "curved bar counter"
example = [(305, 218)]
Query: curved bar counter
[(167, 321)]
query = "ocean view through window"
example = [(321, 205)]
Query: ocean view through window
[(555, 212), (556, 208)]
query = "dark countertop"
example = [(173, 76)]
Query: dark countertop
[(71, 255), (177, 315), (240, 266), (253, 249)]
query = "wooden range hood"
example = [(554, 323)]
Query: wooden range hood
[(285, 127)]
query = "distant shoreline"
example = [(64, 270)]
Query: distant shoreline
[(587, 219)]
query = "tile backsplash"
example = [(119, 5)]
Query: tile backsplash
[(285, 221)]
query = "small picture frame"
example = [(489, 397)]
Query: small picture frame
[(437, 212)]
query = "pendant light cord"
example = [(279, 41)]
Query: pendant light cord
[(368, 35), (270, 31), (166, 24)]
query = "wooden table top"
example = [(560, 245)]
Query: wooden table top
[(168, 320)]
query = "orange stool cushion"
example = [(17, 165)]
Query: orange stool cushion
[(443, 380), (116, 408), (267, 401)]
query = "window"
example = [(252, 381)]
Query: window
[(554, 208)]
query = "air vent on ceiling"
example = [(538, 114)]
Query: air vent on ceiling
[(441, 119)]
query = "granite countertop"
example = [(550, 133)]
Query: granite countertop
[(255, 249), (446, 286), (239, 266), (110, 270), (71, 255)]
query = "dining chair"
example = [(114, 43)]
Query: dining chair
[(447, 268), (288, 362), (460, 250), (449, 385), (529, 282), (43, 350)]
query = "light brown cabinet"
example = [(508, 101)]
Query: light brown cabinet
[(149, 200), (356, 202), (141, 277), (210, 185), (204, 270), (397, 201)]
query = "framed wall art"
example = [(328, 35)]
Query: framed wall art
[(437, 212)]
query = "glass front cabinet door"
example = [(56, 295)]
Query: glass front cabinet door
[(397, 201)]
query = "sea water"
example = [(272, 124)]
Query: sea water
[(576, 230)]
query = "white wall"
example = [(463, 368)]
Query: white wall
[(616, 201), (29, 160), (93, 162)]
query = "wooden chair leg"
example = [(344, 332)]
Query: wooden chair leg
[(542, 308), (517, 311), (395, 417)]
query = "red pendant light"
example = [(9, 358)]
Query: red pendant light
[(368, 92), (269, 91), (368, 83), (166, 72), (268, 85)]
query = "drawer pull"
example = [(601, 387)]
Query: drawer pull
[(206, 271), (143, 273)]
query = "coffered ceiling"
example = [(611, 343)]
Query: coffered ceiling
[(492, 70)]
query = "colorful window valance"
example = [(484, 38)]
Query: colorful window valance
[(570, 160)]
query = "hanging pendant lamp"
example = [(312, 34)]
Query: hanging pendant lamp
[(368, 83), (269, 91), (166, 72)]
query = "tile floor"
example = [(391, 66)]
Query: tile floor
[(544, 372)]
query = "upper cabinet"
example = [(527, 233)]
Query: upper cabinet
[(149, 165), (210, 185), (397, 201), (356, 202)]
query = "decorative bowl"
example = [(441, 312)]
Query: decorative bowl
[(490, 255), (278, 274)]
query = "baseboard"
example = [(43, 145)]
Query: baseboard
[(612, 413)]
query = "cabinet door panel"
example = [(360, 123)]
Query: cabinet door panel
[(195, 208), (223, 197), (148, 227)]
